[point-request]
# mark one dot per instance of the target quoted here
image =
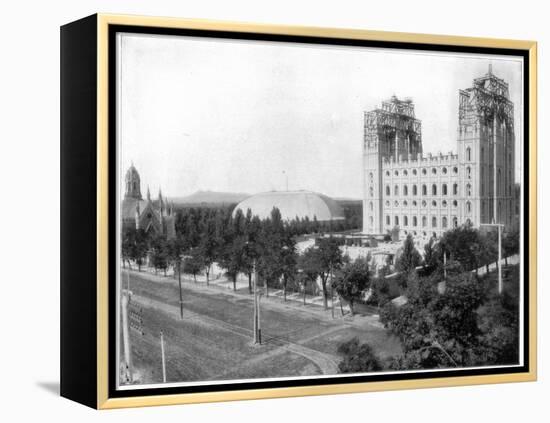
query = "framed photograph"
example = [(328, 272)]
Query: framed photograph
[(256, 211)]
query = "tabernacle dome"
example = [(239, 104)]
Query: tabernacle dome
[(292, 204)]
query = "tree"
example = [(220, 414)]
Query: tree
[(159, 253), (463, 244), (134, 246), (358, 357), (409, 258), (207, 248), (430, 256), (352, 280), (193, 264), (437, 330), (308, 264), (327, 257), (288, 262), (510, 243)]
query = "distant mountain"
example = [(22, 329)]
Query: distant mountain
[(211, 197)]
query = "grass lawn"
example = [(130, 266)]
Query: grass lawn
[(213, 341)]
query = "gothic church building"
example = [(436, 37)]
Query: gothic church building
[(156, 217), (427, 195)]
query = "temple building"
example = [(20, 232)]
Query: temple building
[(429, 194), (156, 217)]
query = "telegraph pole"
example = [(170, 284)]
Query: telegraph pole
[(499, 264), (126, 333), (163, 360), (181, 295), (255, 288)]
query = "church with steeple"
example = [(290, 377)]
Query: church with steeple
[(156, 217)]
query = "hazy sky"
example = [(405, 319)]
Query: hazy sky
[(225, 115)]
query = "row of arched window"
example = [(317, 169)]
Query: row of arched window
[(434, 203), (423, 221), (424, 171), (424, 190)]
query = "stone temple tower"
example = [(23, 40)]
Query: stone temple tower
[(486, 149), (392, 133)]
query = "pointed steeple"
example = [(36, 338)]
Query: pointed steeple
[(161, 202)]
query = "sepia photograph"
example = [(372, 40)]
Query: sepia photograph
[(297, 211)]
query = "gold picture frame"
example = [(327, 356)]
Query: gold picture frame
[(96, 393)]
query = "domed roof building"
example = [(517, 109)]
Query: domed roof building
[(292, 204)]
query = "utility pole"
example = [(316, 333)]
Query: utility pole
[(331, 293), (499, 262), (255, 288), (163, 360), (444, 265), (126, 334), (181, 295)]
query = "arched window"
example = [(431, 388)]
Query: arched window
[(468, 207), (468, 190), (424, 171), (388, 190), (396, 173), (415, 221), (396, 190), (405, 190), (387, 220), (424, 203), (415, 190), (405, 221), (405, 204), (444, 222), (387, 173), (444, 170), (371, 207), (387, 203), (434, 189), (370, 177), (396, 220), (414, 203), (455, 203), (468, 154), (424, 190), (455, 169), (434, 170), (414, 172), (455, 222), (455, 189), (469, 172), (434, 203), (444, 203), (444, 189), (434, 222), (371, 191), (424, 221)]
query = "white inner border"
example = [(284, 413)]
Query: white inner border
[(119, 172)]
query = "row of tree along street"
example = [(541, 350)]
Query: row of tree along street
[(466, 325)]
